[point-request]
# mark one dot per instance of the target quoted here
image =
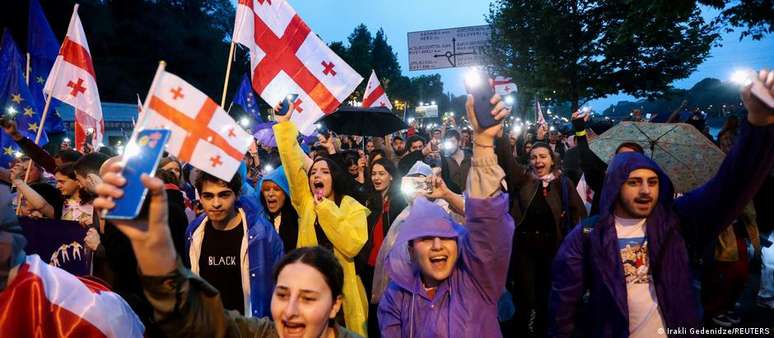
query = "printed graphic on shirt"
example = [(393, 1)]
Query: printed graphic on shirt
[(634, 253), (221, 260)]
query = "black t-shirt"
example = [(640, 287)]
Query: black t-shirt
[(220, 264)]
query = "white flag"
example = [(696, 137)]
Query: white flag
[(75, 83), (286, 57), (199, 126), (374, 94)]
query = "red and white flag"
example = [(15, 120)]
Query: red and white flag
[(374, 94), (198, 125), (46, 301), (286, 57), (540, 120), (503, 85), (75, 83)]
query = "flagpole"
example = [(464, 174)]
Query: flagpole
[(39, 132), (141, 117), (228, 73), (27, 70)]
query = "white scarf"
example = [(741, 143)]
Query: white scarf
[(545, 179)]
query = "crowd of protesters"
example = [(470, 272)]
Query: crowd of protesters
[(454, 231)]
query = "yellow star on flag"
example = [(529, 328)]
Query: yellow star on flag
[(40, 80), (16, 98), (29, 112), (8, 151), (32, 127)]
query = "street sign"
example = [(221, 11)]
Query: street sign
[(448, 48)]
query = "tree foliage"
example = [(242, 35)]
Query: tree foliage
[(580, 50)]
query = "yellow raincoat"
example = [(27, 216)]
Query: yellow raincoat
[(344, 225)]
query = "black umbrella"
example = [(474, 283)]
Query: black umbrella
[(359, 121)]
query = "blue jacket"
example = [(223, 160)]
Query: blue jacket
[(592, 261), (261, 251)]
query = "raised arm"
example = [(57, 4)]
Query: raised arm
[(707, 210), (292, 159), (593, 167), (35, 152), (345, 225), (486, 249)]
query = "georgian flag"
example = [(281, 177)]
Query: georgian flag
[(198, 126), (46, 301), (374, 94), (503, 85), (74, 82), (540, 120), (286, 57)]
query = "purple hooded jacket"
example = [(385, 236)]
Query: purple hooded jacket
[(694, 219), (465, 304)]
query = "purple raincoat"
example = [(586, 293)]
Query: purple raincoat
[(695, 219), (465, 305)]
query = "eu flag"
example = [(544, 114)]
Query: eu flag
[(43, 48), (245, 99), (17, 102)]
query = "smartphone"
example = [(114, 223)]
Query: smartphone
[(412, 184), (285, 104), (141, 158), (478, 84)]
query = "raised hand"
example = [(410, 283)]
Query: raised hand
[(758, 113), (153, 247), (485, 137)]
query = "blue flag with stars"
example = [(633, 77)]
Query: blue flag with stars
[(43, 48), (15, 98), (245, 98)]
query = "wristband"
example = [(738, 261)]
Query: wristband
[(580, 133), (483, 145)]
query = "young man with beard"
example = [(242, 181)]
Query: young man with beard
[(232, 250), (633, 258)]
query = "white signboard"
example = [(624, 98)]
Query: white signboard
[(423, 112), (448, 48)]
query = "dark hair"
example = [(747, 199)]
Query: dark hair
[(167, 176), (343, 183), (68, 169), (554, 155), (235, 184), (67, 155), (107, 150), (375, 152), (90, 163), (453, 133), (631, 145), (322, 260), (415, 138), (397, 137), (391, 169)]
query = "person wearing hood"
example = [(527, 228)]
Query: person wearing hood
[(327, 215), (385, 203), (452, 203), (232, 249), (446, 278), (275, 198), (546, 205), (633, 259)]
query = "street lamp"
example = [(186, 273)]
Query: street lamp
[(432, 103)]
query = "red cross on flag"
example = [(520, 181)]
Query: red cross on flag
[(374, 94), (202, 133), (74, 82), (286, 57), (503, 85)]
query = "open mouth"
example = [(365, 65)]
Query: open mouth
[(438, 262), (318, 188), (293, 329)]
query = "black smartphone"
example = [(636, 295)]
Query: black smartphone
[(285, 104), (478, 84)]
